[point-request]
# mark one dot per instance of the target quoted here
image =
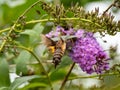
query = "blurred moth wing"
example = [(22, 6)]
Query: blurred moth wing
[(49, 43)]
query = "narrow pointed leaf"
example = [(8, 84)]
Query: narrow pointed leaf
[(4, 73), (21, 80)]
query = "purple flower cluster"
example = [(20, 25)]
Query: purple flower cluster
[(85, 51), (60, 31), (88, 53)]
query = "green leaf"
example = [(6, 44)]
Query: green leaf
[(37, 68), (60, 72), (4, 73), (48, 27), (41, 50), (12, 13), (38, 28), (111, 81), (21, 62), (33, 35), (21, 80), (24, 40), (58, 75), (33, 85), (43, 13), (3, 88), (65, 61)]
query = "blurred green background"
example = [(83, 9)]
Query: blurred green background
[(10, 10)]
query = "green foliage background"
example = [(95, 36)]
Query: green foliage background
[(24, 54)]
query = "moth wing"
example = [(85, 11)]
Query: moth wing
[(47, 41), (63, 44)]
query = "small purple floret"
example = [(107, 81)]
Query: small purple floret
[(59, 32)]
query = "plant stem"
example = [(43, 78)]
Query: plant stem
[(66, 77), (113, 4), (5, 40), (45, 20), (92, 76), (108, 9), (13, 28), (15, 24), (30, 51), (4, 30)]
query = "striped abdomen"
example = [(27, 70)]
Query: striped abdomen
[(59, 51), (57, 56)]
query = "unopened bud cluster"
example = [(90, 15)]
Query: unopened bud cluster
[(90, 21)]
